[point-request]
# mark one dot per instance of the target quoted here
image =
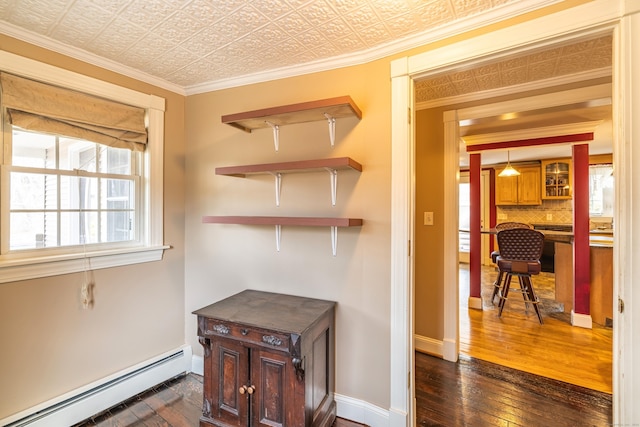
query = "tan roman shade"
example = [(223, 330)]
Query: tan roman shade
[(44, 108)]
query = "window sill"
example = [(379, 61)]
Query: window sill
[(24, 269)]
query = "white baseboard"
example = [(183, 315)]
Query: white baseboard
[(428, 345), (361, 411), (475, 303), (90, 400), (581, 320), (197, 365)]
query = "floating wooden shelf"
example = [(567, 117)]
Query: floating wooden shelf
[(284, 220), (311, 111), (279, 221), (339, 163), (277, 169)]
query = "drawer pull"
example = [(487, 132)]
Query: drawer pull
[(244, 331), (271, 340), (221, 329)]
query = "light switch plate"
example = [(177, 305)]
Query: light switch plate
[(428, 218)]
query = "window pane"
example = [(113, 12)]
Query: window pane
[(117, 194), (33, 230), (33, 150), (601, 189), (77, 154), (33, 191), (464, 220), (118, 226), (78, 192), (115, 160), (78, 228)]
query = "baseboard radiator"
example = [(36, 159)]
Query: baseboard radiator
[(85, 402)]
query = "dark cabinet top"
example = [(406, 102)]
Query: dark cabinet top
[(281, 312)]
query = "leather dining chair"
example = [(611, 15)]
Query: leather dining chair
[(520, 252), (494, 255)]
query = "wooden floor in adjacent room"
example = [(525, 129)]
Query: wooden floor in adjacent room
[(476, 393), (555, 349)]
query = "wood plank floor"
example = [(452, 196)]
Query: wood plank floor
[(175, 403), (555, 350), (476, 393), (471, 392)]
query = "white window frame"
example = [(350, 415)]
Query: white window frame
[(151, 247)]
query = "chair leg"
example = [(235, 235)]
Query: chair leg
[(534, 299), (504, 292), (497, 285), (524, 291)]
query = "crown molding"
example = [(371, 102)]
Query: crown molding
[(88, 57)]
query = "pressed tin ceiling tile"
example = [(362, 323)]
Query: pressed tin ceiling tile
[(166, 37)]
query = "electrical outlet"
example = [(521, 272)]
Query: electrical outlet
[(549, 217), (428, 218), (502, 216)]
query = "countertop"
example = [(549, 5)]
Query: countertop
[(600, 238)]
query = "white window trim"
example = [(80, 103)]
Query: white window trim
[(152, 247)]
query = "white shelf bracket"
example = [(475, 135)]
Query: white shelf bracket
[(334, 239), (332, 128), (333, 175), (278, 236), (276, 134), (278, 182)]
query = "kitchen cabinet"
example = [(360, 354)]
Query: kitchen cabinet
[(556, 179), (523, 189), (268, 361), (600, 284)]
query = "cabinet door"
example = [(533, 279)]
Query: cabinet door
[(529, 186), (556, 179), (506, 190), (274, 398), (229, 372)]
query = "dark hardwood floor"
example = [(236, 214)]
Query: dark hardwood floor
[(476, 393), (470, 393)]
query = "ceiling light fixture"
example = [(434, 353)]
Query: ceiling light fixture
[(509, 170)]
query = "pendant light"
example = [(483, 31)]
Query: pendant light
[(509, 170)]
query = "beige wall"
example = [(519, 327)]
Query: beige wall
[(429, 239), (53, 345), (224, 259), (49, 344)]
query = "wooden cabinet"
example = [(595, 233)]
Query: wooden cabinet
[(268, 361), (556, 179), (523, 189)]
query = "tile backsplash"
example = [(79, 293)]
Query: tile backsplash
[(550, 211)]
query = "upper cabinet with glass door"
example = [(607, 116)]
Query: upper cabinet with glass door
[(556, 179)]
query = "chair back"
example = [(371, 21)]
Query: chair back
[(511, 224), (522, 244)]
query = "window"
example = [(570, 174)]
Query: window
[(67, 192), (71, 200), (601, 191)]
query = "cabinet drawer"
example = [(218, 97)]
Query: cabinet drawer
[(247, 334)]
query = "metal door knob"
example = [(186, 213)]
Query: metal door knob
[(251, 389), (243, 389)]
